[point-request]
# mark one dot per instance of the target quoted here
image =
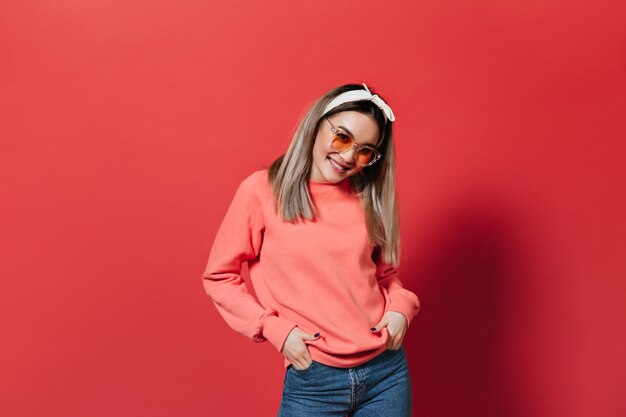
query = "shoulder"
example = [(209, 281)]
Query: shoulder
[(257, 184), (256, 179)]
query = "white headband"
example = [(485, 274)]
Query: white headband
[(356, 95)]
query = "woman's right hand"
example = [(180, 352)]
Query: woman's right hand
[(295, 349)]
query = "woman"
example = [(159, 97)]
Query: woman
[(319, 230)]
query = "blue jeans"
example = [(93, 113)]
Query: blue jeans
[(380, 388)]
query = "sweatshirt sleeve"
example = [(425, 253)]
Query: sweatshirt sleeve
[(239, 240), (402, 300)]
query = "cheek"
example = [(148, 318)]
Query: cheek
[(321, 149), (318, 151)]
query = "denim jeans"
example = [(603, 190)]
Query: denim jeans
[(380, 388)]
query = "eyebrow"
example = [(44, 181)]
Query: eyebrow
[(347, 130)]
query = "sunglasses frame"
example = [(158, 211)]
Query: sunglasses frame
[(335, 131)]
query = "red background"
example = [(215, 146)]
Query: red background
[(127, 125)]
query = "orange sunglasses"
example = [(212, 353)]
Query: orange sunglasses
[(364, 155)]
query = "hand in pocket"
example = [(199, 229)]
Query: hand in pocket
[(295, 349)]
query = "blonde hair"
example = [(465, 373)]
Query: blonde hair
[(375, 184)]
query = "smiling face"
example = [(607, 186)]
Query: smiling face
[(332, 166)]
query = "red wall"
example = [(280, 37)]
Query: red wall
[(127, 125)]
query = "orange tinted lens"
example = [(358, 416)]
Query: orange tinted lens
[(341, 142), (364, 156)]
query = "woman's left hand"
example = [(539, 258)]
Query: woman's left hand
[(396, 327)]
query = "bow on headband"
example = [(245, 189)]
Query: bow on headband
[(356, 95)]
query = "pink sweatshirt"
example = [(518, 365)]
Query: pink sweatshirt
[(321, 276)]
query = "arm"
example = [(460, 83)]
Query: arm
[(402, 300), (239, 240)]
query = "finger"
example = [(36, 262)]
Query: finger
[(309, 336), (394, 343), (297, 364), (303, 364), (399, 340), (378, 326)]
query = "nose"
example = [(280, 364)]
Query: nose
[(348, 156)]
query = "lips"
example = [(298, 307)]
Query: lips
[(338, 165)]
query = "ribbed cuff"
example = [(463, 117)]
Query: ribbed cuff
[(276, 329)]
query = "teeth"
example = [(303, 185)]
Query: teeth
[(337, 165)]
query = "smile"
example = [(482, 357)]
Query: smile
[(336, 165)]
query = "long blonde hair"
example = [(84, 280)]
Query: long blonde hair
[(375, 184)]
